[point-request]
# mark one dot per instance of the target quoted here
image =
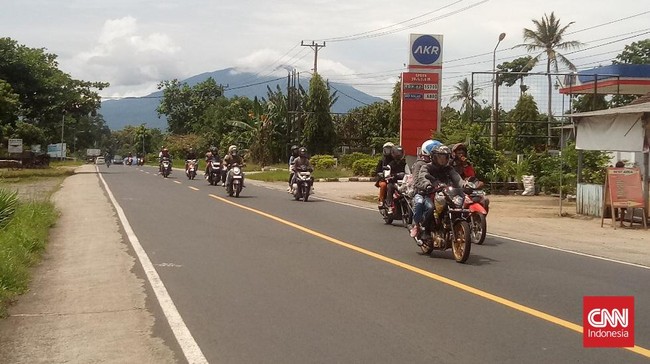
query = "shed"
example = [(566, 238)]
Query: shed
[(618, 129)]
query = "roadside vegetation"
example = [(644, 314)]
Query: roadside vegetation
[(24, 228), (30, 175)]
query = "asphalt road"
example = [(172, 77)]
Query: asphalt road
[(252, 286)]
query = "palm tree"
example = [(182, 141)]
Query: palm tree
[(548, 38), (466, 95)]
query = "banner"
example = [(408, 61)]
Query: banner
[(15, 146), (57, 150), (420, 109)]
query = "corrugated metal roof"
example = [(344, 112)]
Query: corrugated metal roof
[(627, 109)]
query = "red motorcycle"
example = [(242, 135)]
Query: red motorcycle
[(477, 204)]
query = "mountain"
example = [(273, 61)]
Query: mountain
[(138, 110)]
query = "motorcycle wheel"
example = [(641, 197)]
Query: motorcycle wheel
[(305, 194), (427, 245), (462, 243), (479, 228), (238, 190)]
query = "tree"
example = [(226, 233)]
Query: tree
[(527, 131), (318, 135), (547, 37), (467, 97), (635, 53), (396, 107), (185, 105), (510, 69)]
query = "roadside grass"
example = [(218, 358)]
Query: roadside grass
[(22, 241), (283, 175), (28, 175), (67, 163)]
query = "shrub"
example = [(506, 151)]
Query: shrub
[(8, 203), (322, 161), (347, 160), (364, 167)]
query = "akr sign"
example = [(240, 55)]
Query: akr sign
[(425, 52)]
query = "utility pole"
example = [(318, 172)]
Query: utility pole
[(315, 47)]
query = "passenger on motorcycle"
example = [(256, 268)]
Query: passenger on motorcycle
[(397, 165), (298, 163), (231, 158), (460, 161), (190, 155), (164, 153), (379, 171), (292, 157), (433, 177), (421, 200)]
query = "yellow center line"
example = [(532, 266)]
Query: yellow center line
[(193, 188), (489, 296)]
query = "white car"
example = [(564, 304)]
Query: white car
[(100, 160)]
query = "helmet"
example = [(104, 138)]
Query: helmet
[(213, 149), (232, 148), (397, 152), (302, 152), (294, 149), (440, 155), (458, 147), (387, 148), (165, 149), (428, 146)]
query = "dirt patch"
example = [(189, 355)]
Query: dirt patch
[(35, 189)]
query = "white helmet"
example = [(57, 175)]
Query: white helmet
[(428, 146)]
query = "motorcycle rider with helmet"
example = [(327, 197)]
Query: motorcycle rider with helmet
[(397, 165), (434, 176), (210, 155), (421, 200), (460, 161), (298, 163), (191, 155), (231, 158), (381, 183), (292, 158), (164, 153)]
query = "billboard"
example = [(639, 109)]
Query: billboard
[(56, 150), (15, 146), (425, 52)]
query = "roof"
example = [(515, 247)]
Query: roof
[(627, 109), (616, 79)]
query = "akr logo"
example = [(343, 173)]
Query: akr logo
[(608, 321), (426, 49)]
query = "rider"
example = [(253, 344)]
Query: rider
[(164, 153), (397, 165), (435, 176), (231, 158), (379, 171), (292, 157), (421, 200), (191, 155), (129, 158), (210, 155), (460, 162), (298, 163)]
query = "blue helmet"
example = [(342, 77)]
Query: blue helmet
[(429, 146)]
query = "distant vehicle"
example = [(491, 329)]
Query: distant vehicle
[(117, 159), (100, 160)]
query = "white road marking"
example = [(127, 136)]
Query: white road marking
[(186, 341), (193, 188), (177, 182)]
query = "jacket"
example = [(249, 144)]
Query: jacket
[(431, 176)]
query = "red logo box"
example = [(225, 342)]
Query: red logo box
[(608, 321)]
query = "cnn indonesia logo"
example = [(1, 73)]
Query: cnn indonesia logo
[(608, 321)]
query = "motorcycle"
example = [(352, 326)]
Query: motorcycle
[(166, 167), (190, 169), (451, 230), (214, 172), (401, 207), (141, 161), (303, 183), (108, 162), (129, 161), (477, 204), (235, 180)]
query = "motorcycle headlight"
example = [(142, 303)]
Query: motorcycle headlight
[(236, 170), (457, 200)]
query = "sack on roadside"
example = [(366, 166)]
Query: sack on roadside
[(529, 185)]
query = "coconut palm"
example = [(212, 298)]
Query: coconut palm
[(466, 95), (547, 37)]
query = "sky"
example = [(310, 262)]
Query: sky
[(135, 44)]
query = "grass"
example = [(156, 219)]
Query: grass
[(22, 241), (274, 176), (26, 175), (66, 163)]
